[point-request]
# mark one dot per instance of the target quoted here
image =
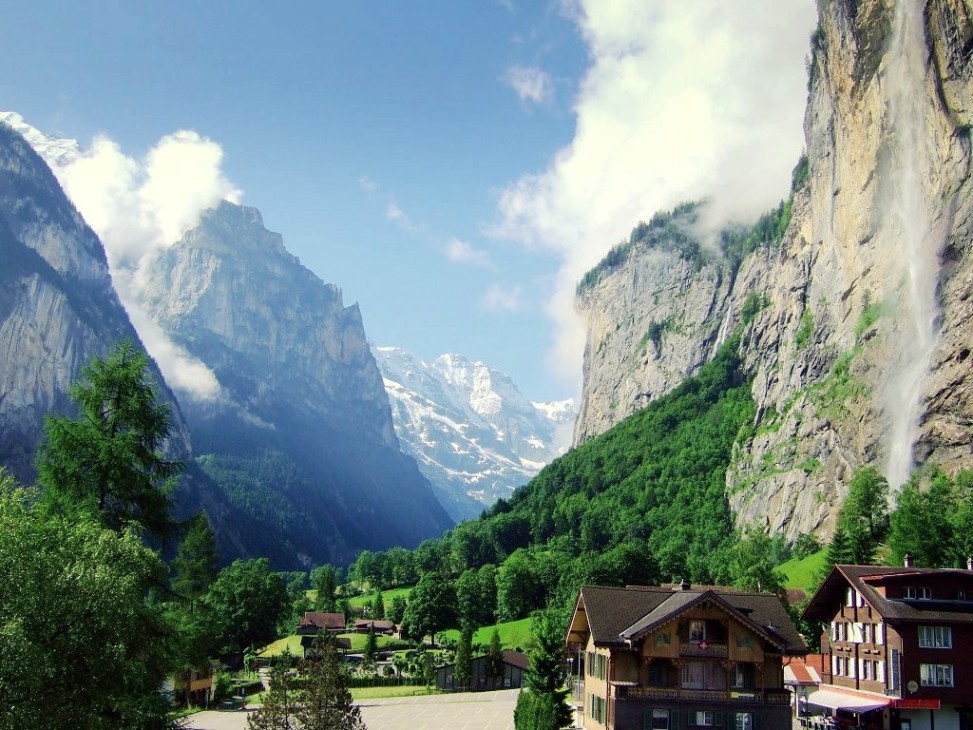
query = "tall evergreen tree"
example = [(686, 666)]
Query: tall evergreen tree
[(494, 660), (325, 699), (110, 459), (546, 708), (280, 702), (378, 607), (197, 561), (462, 666)]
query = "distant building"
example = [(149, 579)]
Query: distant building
[(668, 657), (897, 646), (315, 621), (515, 666), (386, 628)]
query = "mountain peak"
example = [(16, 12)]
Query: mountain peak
[(54, 150)]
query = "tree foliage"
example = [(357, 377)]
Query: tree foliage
[(79, 645), (244, 605), (546, 706), (110, 460), (325, 701), (431, 607), (197, 560)]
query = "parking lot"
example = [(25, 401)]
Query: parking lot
[(460, 711)]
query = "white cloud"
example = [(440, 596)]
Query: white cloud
[(682, 100), (367, 184), (499, 298), (139, 207), (531, 83), (461, 252)]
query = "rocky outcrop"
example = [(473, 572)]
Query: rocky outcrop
[(856, 322), (473, 433), (301, 436), (57, 305)]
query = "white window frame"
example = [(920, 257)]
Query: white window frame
[(880, 633), (660, 714), (935, 637), (880, 670), (936, 675), (704, 718), (743, 721)]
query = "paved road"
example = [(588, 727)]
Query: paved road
[(461, 711)]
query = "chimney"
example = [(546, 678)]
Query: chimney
[(908, 560), (684, 585)]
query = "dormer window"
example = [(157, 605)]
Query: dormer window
[(919, 593), (697, 630)]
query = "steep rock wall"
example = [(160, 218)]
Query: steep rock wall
[(875, 262)]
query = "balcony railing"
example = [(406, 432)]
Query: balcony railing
[(703, 648), (676, 694)]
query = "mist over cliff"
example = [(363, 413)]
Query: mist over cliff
[(852, 297)]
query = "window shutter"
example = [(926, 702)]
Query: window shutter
[(718, 719), (880, 671), (835, 666), (674, 719), (756, 720), (647, 719), (879, 633)]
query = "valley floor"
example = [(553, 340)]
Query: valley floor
[(460, 711)]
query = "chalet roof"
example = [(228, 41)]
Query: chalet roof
[(323, 620), (516, 659), (617, 615), (868, 578)]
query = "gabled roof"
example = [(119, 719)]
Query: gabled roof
[(323, 620), (867, 579), (616, 616)]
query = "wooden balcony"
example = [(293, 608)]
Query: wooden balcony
[(676, 694), (703, 649)]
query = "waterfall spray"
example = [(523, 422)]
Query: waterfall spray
[(908, 228)]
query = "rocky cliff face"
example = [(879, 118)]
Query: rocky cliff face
[(473, 433), (856, 322), (301, 436), (58, 310), (57, 305)]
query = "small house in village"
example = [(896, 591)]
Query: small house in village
[(315, 621), (514, 667), (683, 656)]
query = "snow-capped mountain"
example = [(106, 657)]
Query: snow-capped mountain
[(475, 436), (54, 150)]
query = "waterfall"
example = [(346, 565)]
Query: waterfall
[(907, 226)]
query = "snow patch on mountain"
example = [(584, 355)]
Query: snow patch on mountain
[(475, 436)]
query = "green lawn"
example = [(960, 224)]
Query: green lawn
[(370, 693), (290, 643), (293, 644), (387, 596), (513, 634), (804, 572)]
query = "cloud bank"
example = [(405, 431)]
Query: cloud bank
[(141, 206), (682, 99)]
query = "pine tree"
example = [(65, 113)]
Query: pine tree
[(197, 560), (378, 607), (109, 461), (494, 660), (325, 700), (547, 707), (371, 646), (279, 703), (464, 657)]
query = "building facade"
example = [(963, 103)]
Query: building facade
[(661, 658), (900, 639)]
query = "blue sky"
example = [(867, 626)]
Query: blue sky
[(453, 166)]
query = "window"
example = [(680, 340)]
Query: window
[(744, 641), (921, 593), (595, 665), (835, 665), (744, 721), (935, 637), (835, 631), (662, 639), (866, 668), (659, 674), (879, 633), (743, 676), (656, 720), (697, 630), (703, 675), (849, 596), (936, 675), (703, 718), (597, 708)]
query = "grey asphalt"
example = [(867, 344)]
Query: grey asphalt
[(460, 711)]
